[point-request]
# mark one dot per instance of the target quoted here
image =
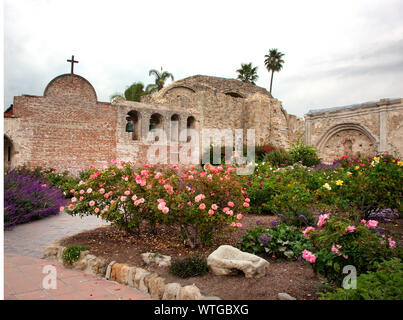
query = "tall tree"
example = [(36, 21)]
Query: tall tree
[(273, 63), (160, 78), (132, 93), (247, 73)]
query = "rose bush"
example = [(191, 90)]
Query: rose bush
[(336, 242), (202, 203)]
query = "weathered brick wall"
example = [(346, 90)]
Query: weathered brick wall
[(66, 128)]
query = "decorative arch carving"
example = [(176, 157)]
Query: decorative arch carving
[(180, 90), (346, 126), (346, 139)]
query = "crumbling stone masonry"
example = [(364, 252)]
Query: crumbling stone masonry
[(364, 128)]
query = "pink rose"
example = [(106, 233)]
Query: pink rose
[(74, 199), (245, 204), (165, 210), (371, 224), (102, 191), (92, 203), (350, 229), (123, 198), (96, 210), (127, 192), (202, 206), (211, 212), (239, 216), (214, 206), (308, 229), (230, 204), (61, 209)]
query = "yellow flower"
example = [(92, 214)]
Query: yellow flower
[(377, 159), (400, 163), (339, 182), (359, 173), (357, 167)]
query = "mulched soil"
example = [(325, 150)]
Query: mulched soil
[(292, 277)]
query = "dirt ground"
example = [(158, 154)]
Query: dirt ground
[(292, 277)]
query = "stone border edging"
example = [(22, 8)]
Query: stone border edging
[(139, 278)]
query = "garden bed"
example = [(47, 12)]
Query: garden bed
[(292, 277)]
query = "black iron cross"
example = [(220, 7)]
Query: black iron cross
[(72, 63)]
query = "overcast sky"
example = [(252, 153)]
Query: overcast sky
[(336, 52)]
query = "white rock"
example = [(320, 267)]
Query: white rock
[(285, 296), (139, 279), (172, 291), (158, 259), (227, 260), (189, 293)]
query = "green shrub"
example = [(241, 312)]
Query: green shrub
[(373, 182), (194, 266), (250, 242), (72, 253), (337, 242), (282, 241), (278, 157), (386, 283), (307, 155)]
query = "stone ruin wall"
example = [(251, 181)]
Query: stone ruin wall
[(228, 103), (365, 129), (68, 128)]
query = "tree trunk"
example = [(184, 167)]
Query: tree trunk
[(271, 81)]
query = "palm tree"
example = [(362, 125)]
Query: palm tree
[(273, 63), (160, 78), (247, 73), (132, 93)]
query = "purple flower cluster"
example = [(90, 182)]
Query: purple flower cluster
[(264, 239), (385, 215), (28, 197)]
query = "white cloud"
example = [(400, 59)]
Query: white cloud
[(336, 52)]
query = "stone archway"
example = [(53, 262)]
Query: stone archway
[(346, 139)]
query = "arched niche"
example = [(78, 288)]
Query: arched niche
[(9, 152), (156, 123), (179, 91), (134, 117), (346, 139), (174, 127), (190, 125), (233, 94)]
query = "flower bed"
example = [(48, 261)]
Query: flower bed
[(28, 197)]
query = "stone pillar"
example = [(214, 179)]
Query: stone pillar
[(308, 126), (383, 129)]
